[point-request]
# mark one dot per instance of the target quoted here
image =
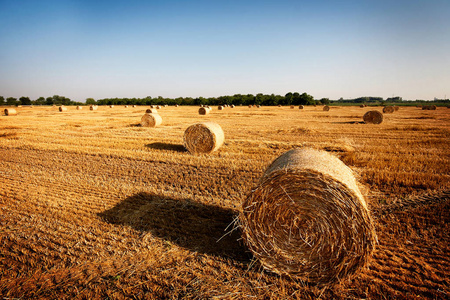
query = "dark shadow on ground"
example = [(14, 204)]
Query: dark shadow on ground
[(167, 146), (350, 122), (189, 224)]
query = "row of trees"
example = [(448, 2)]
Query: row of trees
[(58, 100)]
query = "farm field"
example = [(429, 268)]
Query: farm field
[(93, 206)]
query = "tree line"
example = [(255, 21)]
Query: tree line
[(237, 99)]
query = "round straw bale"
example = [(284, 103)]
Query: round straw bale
[(111, 106), (292, 106), (151, 120), (362, 106), (93, 107), (220, 107), (79, 107), (301, 107), (396, 108), (158, 107), (203, 137), (134, 105), (307, 218), (249, 106), (388, 109), (232, 106), (62, 108), (152, 106), (204, 110), (373, 117), (326, 108), (176, 105), (126, 106), (429, 107), (10, 112), (258, 106), (151, 111), (279, 105)]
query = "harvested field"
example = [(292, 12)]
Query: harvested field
[(94, 207)]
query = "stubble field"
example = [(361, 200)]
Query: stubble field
[(93, 206)]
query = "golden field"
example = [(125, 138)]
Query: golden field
[(93, 206)]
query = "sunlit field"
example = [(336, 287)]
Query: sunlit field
[(94, 206)]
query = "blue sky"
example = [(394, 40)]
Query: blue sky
[(332, 49)]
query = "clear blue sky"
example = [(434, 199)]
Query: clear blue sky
[(332, 49)]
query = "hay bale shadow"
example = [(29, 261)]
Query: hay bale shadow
[(349, 122), (167, 146), (191, 225)]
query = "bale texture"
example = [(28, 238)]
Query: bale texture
[(326, 108), (151, 120), (204, 110), (151, 111), (373, 117), (300, 107), (203, 137), (10, 112), (307, 218), (62, 108), (388, 109), (220, 107)]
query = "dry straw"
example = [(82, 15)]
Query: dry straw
[(203, 137), (307, 218), (10, 112), (151, 111), (62, 108), (373, 117), (151, 120), (204, 110), (388, 109), (326, 108)]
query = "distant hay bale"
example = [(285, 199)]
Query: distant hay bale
[(10, 112), (176, 105), (93, 107), (279, 105), (301, 107), (292, 106), (126, 106), (232, 106), (362, 106), (307, 218), (249, 106), (158, 106), (396, 108), (152, 106), (111, 106), (326, 108), (165, 105), (134, 105), (203, 137), (220, 107), (204, 110), (79, 107), (258, 106), (62, 108), (151, 111), (151, 120), (388, 109), (429, 107), (373, 117)]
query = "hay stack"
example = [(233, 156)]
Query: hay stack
[(232, 106), (79, 107), (204, 110), (134, 105), (249, 106), (308, 219), (362, 106), (204, 137), (62, 108), (258, 106), (429, 107), (301, 107), (126, 106), (93, 107), (220, 107), (151, 120), (388, 109), (396, 108), (326, 108), (111, 106), (10, 112), (373, 117), (292, 106), (158, 106), (151, 111)]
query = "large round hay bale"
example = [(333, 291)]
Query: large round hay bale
[(204, 110), (151, 111), (203, 137), (151, 120), (307, 218), (93, 107), (292, 106), (232, 106), (301, 107), (396, 108), (158, 106), (79, 107), (220, 107), (62, 108), (10, 112), (373, 117), (429, 107), (388, 109), (326, 108)]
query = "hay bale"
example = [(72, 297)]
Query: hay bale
[(232, 106), (62, 108), (362, 106), (79, 107), (151, 120), (373, 117), (250, 106), (388, 109), (258, 106), (126, 106), (301, 107), (429, 107), (158, 106), (176, 105), (151, 111), (152, 106), (220, 107), (10, 112), (292, 106), (93, 107), (203, 137), (134, 106), (307, 218), (111, 106), (326, 108), (396, 108), (204, 110)]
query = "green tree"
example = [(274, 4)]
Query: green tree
[(2, 100), (11, 101), (25, 100), (325, 101), (90, 101), (39, 101)]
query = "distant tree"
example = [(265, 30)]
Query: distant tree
[(11, 101), (49, 101), (90, 101), (25, 101), (2, 100), (39, 101), (325, 101)]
